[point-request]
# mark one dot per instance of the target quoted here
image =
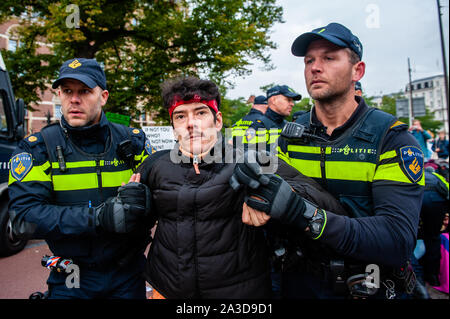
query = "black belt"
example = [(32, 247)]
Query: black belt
[(335, 272)]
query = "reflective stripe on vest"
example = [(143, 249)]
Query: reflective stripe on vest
[(36, 174), (89, 178), (74, 181), (348, 166)]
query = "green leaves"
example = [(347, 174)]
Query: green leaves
[(140, 43)]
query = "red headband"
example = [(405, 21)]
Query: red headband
[(196, 99)]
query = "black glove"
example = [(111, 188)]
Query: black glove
[(278, 199), (271, 194), (125, 212), (249, 173)]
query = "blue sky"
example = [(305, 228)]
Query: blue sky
[(390, 31)]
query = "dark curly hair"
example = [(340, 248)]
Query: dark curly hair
[(185, 88)]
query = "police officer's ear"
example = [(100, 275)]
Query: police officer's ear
[(104, 95), (358, 71)]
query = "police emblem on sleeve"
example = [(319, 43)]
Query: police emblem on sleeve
[(412, 162), (149, 148), (21, 164), (250, 134)]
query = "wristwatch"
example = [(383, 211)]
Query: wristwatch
[(317, 223), (317, 219)]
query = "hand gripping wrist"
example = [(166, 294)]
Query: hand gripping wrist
[(248, 172), (123, 213), (316, 220), (278, 199)]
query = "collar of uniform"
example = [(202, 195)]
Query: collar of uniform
[(95, 132), (255, 111), (102, 123), (360, 110), (274, 116)]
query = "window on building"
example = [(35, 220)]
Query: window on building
[(426, 85), (12, 45), (419, 86)]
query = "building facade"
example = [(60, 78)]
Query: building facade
[(47, 110), (432, 89)]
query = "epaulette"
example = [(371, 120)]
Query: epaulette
[(35, 145), (398, 126), (33, 139), (257, 124), (138, 137), (135, 132)]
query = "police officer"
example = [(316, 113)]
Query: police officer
[(361, 155), (434, 206), (256, 114), (65, 187), (280, 99)]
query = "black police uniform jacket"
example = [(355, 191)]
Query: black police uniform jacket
[(59, 204), (201, 247), (374, 167), (240, 127), (265, 130)]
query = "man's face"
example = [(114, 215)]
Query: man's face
[(81, 105), (194, 127), (281, 104), (328, 71)]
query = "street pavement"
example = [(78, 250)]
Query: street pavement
[(22, 273)]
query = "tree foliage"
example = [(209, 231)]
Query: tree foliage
[(304, 104), (233, 110), (140, 43)]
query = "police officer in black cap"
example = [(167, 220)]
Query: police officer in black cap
[(67, 186), (366, 159), (280, 99)]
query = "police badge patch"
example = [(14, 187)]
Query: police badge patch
[(149, 148), (250, 134), (412, 162), (21, 164)]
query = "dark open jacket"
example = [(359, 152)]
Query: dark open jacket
[(201, 248)]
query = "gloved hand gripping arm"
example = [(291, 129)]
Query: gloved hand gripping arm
[(271, 194), (125, 212)]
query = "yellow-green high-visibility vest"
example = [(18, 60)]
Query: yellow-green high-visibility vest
[(347, 166)]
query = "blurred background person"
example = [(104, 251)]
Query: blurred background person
[(421, 136), (440, 146), (256, 113)]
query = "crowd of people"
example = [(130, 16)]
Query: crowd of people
[(336, 217)]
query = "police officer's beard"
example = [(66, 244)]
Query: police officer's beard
[(329, 96)]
